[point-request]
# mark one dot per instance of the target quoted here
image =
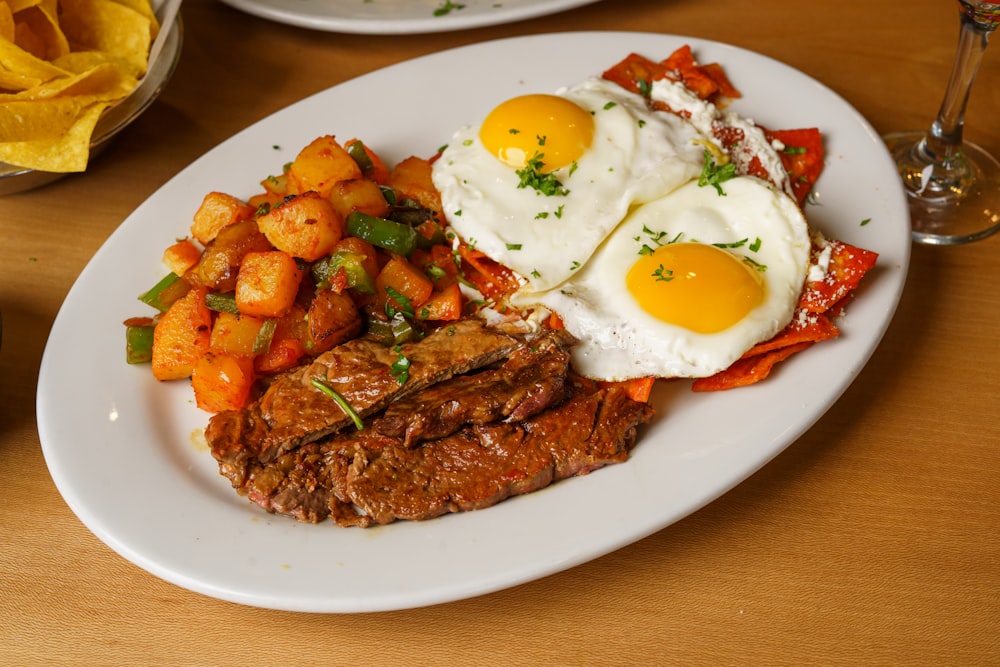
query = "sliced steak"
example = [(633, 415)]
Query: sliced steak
[(292, 411), (480, 466), (365, 478), (532, 379)]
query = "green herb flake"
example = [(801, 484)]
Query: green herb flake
[(662, 274), (446, 7), (401, 367), (531, 176), (405, 306), (513, 246), (714, 174), (865, 221), (340, 401)]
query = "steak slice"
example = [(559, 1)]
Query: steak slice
[(364, 478), (292, 411), (482, 465), (532, 379)]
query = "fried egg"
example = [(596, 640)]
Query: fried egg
[(686, 284), (544, 179)]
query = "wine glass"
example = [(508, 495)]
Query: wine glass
[(953, 186)]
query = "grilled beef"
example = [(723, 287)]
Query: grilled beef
[(529, 381), (292, 411), (482, 465), (464, 435), (365, 478)]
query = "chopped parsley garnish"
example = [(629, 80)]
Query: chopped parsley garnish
[(663, 275), (446, 7), (340, 401), (756, 265), (514, 130), (401, 367), (559, 211), (531, 176), (645, 88), (755, 246), (435, 272), (536, 274), (610, 105), (574, 265), (655, 237), (865, 221), (734, 244), (714, 174), (794, 150), (513, 246), (405, 307)]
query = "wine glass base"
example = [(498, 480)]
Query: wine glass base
[(937, 217)]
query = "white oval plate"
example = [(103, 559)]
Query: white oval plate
[(400, 17), (119, 444)]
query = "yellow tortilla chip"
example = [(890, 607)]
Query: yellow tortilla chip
[(105, 82), (6, 23), (64, 153), (62, 64), (104, 25), (15, 81), (18, 5), (41, 27)]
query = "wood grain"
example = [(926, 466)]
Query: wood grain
[(870, 540)]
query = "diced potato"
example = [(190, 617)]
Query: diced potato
[(333, 319), (267, 284), (217, 211), (181, 337), (358, 194), (276, 186), (403, 277), (220, 262), (235, 334), (222, 381), (319, 165), (283, 354), (411, 179), (306, 226), (445, 305), (181, 256)]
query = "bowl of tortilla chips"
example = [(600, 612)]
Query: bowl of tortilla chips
[(73, 74)]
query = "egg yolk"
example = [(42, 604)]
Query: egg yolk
[(696, 286), (548, 125)]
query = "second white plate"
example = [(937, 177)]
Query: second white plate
[(393, 17)]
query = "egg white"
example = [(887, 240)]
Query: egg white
[(636, 156), (619, 340)]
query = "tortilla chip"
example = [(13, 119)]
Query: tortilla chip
[(37, 32), (6, 23), (104, 25), (845, 266), (62, 64), (747, 371), (66, 152)]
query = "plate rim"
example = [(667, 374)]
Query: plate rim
[(47, 430), (281, 12)]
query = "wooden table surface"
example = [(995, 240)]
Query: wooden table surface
[(873, 539)]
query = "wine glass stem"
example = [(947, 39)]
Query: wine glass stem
[(945, 137)]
